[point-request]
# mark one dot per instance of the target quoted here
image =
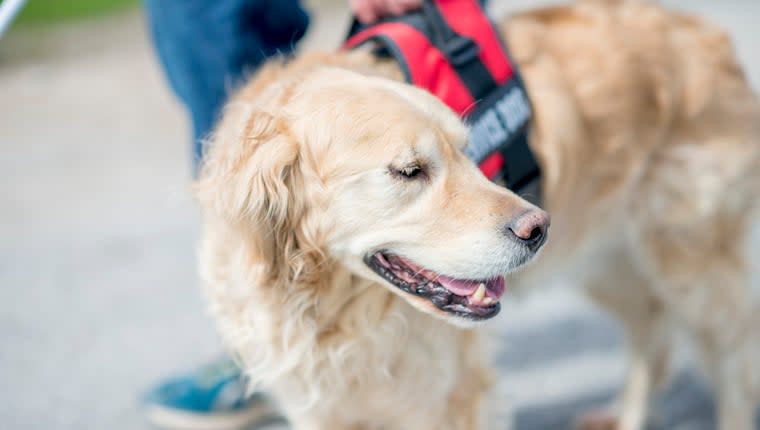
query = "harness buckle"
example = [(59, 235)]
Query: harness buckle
[(461, 50)]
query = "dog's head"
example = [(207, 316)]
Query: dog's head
[(336, 167)]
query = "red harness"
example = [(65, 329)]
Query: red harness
[(452, 49)]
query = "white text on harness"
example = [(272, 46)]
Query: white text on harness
[(494, 125)]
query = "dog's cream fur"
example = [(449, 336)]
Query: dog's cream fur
[(649, 139)]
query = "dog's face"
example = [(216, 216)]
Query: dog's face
[(380, 184)]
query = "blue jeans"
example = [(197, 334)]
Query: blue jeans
[(207, 48)]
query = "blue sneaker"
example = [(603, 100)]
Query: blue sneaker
[(212, 398)]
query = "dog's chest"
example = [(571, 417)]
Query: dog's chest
[(409, 363)]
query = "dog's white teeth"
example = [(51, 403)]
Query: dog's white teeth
[(488, 301), (478, 295)]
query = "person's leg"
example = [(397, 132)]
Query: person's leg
[(206, 48)]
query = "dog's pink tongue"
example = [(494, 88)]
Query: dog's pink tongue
[(458, 286), (494, 287)]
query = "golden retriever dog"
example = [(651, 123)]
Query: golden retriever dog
[(350, 248)]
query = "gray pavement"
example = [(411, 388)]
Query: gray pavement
[(98, 292)]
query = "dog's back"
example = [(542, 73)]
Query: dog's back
[(649, 134)]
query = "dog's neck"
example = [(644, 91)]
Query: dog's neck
[(349, 303)]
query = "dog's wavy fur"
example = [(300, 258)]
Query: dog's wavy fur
[(649, 139), (335, 348)]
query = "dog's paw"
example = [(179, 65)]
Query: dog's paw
[(598, 420)]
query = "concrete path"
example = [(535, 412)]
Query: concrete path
[(98, 292)]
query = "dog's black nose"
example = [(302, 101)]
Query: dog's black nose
[(530, 228)]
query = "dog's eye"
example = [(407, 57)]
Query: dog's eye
[(410, 172)]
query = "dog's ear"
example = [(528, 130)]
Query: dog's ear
[(249, 181)]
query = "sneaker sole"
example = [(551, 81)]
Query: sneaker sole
[(173, 419)]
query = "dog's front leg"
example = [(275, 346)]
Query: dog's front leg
[(734, 370), (626, 293), (317, 422), (635, 398)]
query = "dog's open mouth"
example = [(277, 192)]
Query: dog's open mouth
[(473, 299)]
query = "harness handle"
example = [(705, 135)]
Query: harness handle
[(459, 49)]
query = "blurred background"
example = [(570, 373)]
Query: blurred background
[(98, 290)]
